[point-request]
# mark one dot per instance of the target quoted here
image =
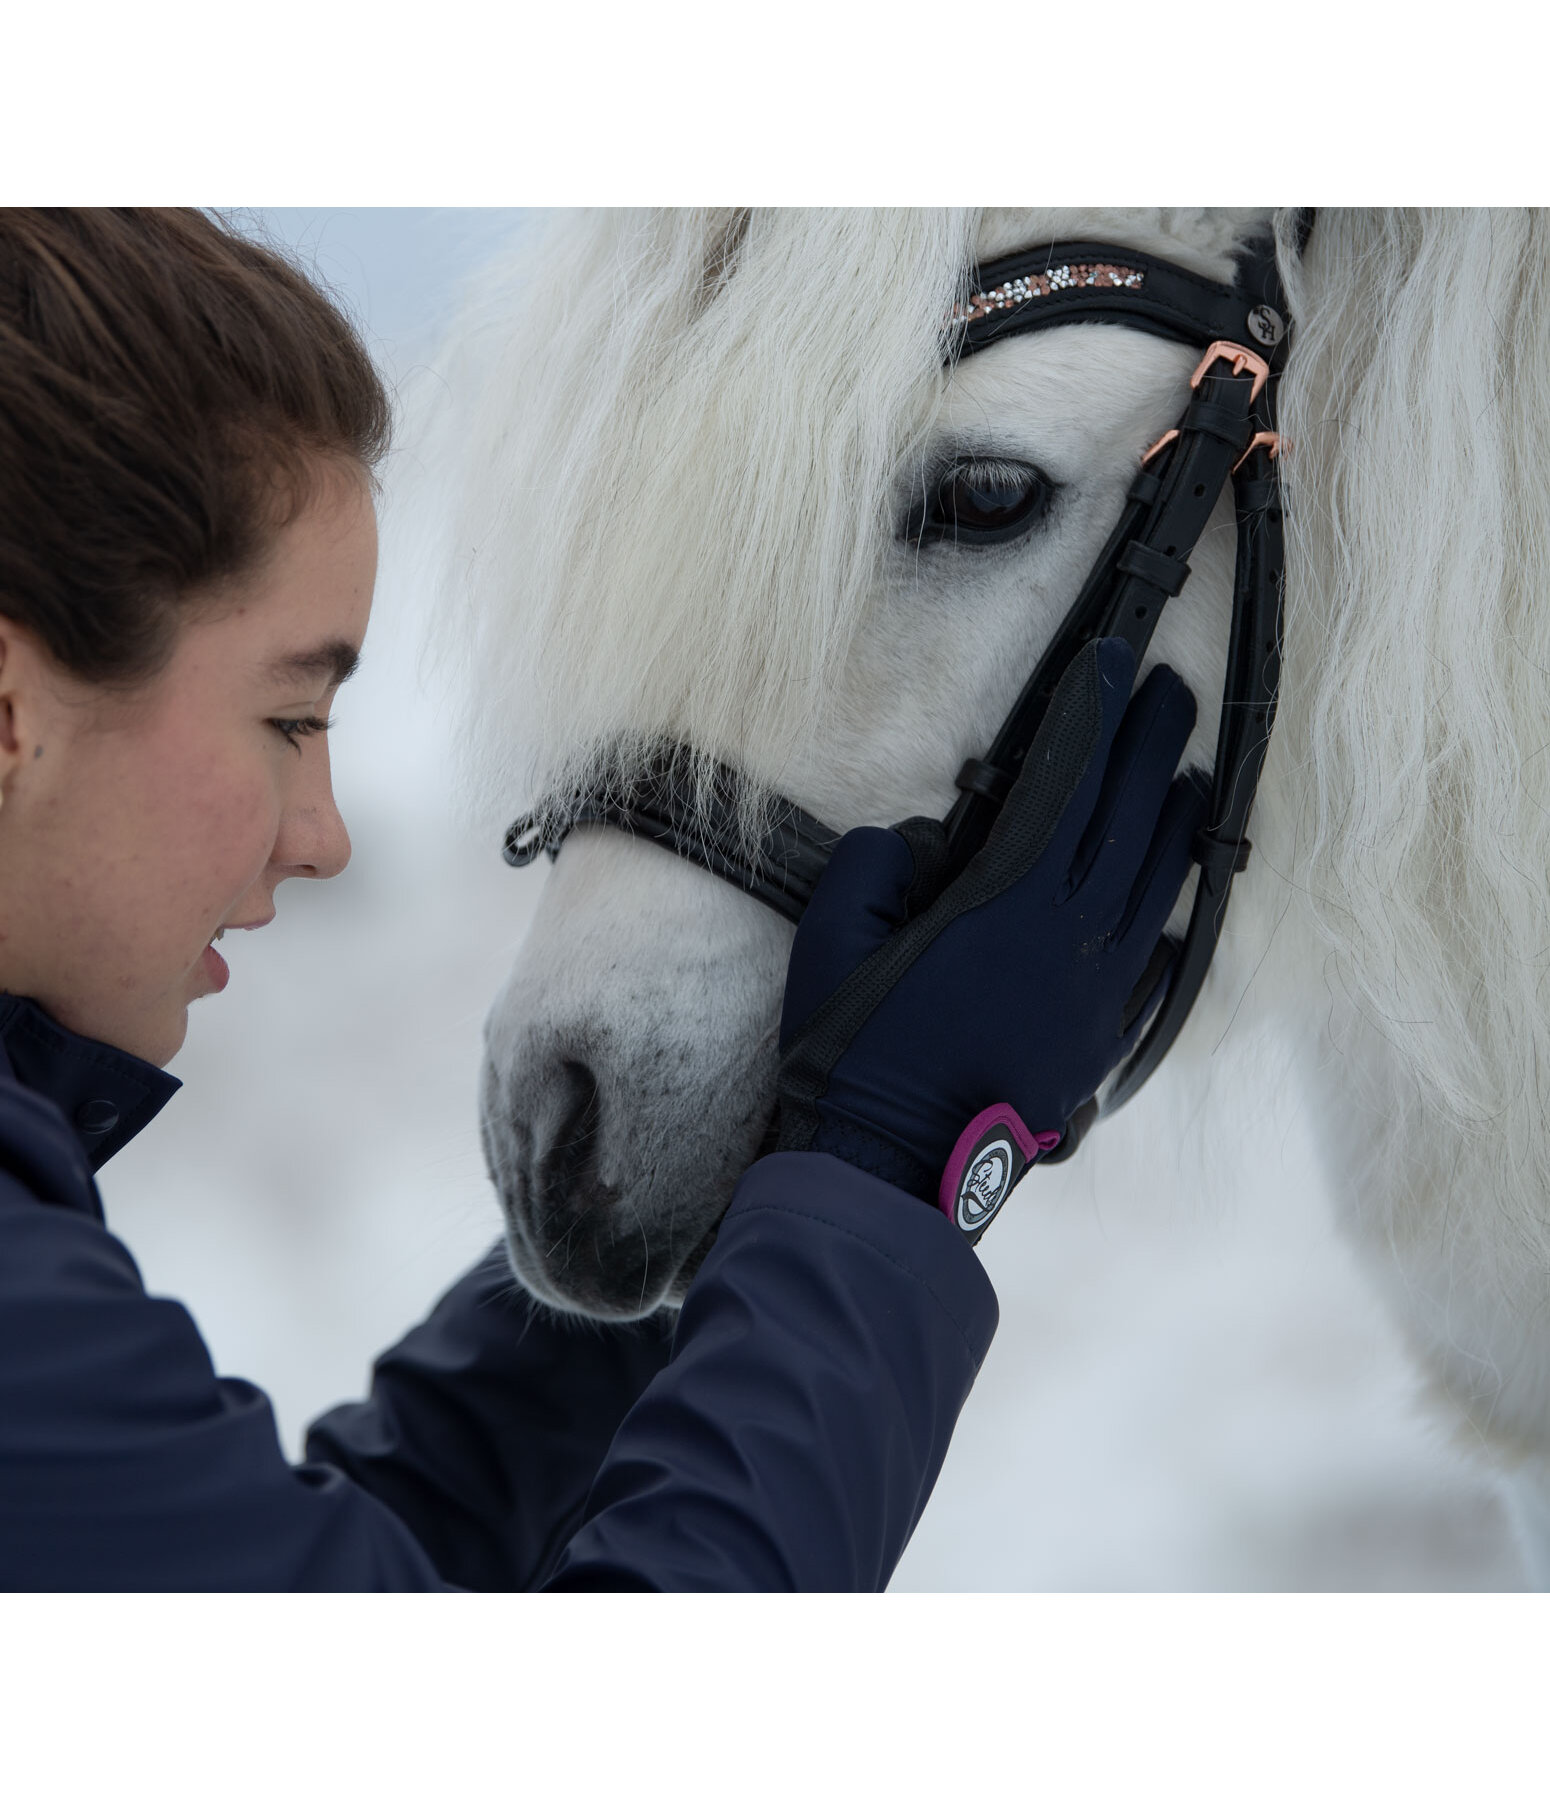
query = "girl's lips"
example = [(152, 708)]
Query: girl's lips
[(213, 966)]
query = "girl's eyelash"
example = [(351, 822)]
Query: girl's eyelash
[(292, 730)]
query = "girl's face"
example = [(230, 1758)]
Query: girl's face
[(136, 826)]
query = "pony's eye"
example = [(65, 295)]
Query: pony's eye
[(980, 501)]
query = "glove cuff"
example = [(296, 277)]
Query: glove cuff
[(993, 1152), (879, 1155)]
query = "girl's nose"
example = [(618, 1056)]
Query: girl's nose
[(313, 841)]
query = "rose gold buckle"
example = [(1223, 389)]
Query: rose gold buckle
[(1162, 444), (1269, 440), (1240, 359)]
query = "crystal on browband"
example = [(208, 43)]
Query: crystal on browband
[(1053, 281)]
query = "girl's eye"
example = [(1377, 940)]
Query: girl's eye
[(978, 500), (294, 730)]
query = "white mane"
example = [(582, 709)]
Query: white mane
[(1417, 697)]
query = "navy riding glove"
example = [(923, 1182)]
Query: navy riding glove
[(942, 1037)]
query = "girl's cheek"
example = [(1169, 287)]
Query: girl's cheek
[(234, 828)]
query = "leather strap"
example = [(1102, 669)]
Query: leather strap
[(1155, 569), (663, 804), (1243, 737), (1139, 569), (1166, 509), (1169, 302)]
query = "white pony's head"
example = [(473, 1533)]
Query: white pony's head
[(680, 453)]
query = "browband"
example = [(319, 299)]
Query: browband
[(1099, 284)]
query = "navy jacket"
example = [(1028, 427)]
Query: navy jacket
[(785, 1432)]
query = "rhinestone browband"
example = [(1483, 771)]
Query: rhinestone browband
[(1053, 281)]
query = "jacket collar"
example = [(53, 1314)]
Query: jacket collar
[(106, 1095)]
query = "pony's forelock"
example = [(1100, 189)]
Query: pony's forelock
[(675, 470)]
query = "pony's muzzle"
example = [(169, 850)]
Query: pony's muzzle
[(581, 1235)]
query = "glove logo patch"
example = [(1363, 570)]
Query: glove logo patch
[(993, 1151), (986, 1183)]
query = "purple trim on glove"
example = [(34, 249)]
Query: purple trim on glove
[(992, 1153)]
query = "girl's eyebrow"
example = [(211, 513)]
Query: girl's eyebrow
[(336, 659)]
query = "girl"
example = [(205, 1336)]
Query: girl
[(187, 555)]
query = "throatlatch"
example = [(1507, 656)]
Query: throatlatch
[(1227, 432)]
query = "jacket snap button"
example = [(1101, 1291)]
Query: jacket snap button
[(96, 1118)]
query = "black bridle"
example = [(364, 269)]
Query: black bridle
[(1227, 433)]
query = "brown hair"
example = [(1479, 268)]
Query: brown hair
[(168, 391)]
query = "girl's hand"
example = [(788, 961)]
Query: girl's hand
[(943, 1037)]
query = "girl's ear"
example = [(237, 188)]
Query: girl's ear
[(10, 745), (21, 675)]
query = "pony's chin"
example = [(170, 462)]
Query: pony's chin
[(622, 1294), (611, 1249)]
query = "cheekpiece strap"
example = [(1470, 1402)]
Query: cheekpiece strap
[(1227, 431)]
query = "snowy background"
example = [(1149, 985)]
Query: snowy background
[(1192, 1388)]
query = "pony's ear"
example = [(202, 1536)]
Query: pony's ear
[(1302, 230)]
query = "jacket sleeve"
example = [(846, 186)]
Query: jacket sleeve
[(126, 1462), (486, 1424), (821, 1360), (823, 1354)]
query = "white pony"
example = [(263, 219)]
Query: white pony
[(678, 448)]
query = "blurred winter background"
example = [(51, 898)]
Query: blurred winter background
[(1192, 1387)]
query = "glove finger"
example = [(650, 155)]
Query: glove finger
[(1168, 861), (1052, 800), (1146, 995), (858, 903), (1136, 784), (928, 845)]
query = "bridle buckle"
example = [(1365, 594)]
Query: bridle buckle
[(1263, 440), (1240, 358), (1162, 443)]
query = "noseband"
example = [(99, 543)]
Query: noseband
[(1227, 433)]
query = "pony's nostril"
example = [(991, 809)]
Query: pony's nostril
[(581, 1110), (569, 1166)]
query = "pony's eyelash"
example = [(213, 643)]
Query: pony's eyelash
[(293, 730), (971, 501)]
